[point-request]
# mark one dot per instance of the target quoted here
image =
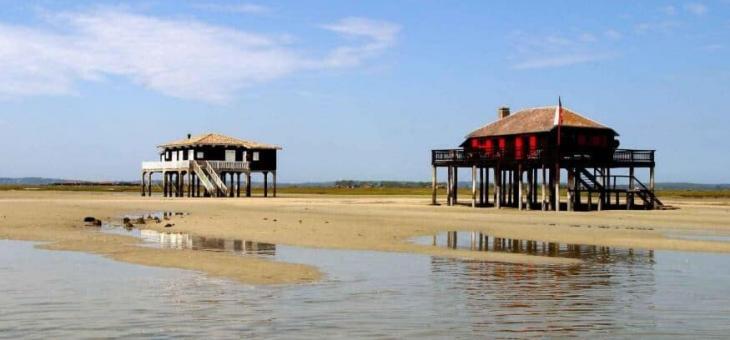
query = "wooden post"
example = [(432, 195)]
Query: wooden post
[(571, 190), (248, 184), (142, 184), (473, 186), (486, 186), (520, 183), (448, 185), (557, 186), (273, 178), (481, 186), (149, 184), (455, 190), (497, 187), (530, 178), (630, 194), (266, 184), (542, 188), (651, 187), (434, 184)]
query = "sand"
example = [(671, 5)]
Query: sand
[(382, 223)]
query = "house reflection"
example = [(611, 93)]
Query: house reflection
[(528, 300), (187, 241)]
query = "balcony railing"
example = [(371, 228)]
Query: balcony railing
[(186, 165), (454, 156)]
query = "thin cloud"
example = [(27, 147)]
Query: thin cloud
[(245, 8), (381, 35), (179, 58), (696, 8), (560, 61), (553, 51)]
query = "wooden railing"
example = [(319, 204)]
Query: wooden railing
[(453, 156), (186, 165), (233, 166), (214, 176), (633, 156), (172, 165)]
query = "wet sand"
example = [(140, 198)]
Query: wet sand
[(362, 223)]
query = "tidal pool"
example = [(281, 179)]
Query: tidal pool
[(365, 294)]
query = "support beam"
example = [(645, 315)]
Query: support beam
[(448, 185), (455, 190), (473, 186), (164, 184), (486, 186), (543, 190), (570, 195), (556, 176), (651, 187), (630, 194), (273, 178), (248, 184), (149, 185), (497, 187), (238, 184), (266, 184), (142, 183), (481, 186), (520, 184), (434, 184)]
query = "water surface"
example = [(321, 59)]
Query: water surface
[(365, 294)]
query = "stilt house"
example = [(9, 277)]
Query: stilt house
[(210, 165), (526, 153)]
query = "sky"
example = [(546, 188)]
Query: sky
[(354, 89)]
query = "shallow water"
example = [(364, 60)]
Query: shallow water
[(365, 294)]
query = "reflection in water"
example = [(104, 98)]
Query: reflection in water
[(477, 241), (174, 240), (616, 293)]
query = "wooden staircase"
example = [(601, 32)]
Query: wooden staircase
[(210, 178), (599, 182)]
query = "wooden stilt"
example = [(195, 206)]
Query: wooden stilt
[(571, 190), (434, 185), (630, 194), (266, 184), (651, 187), (497, 187), (273, 179), (486, 186), (473, 186), (542, 189), (248, 184), (520, 183), (142, 183), (557, 186), (455, 190), (481, 186), (449, 178)]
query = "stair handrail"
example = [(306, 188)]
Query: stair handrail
[(203, 176), (214, 175)]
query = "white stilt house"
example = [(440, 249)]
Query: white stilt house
[(210, 165)]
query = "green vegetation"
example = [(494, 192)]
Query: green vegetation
[(345, 188)]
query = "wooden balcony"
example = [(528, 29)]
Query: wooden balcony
[(620, 158), (187, 166)]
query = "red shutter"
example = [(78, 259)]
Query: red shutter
[(518, 148)]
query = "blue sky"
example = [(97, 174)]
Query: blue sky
[(353, 89)]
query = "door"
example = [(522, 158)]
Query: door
[(230, 155)]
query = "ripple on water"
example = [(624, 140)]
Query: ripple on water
[(366, 294)]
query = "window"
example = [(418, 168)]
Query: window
[(255, 156), (199, 155)]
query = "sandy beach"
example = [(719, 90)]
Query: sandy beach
[(381, 223)]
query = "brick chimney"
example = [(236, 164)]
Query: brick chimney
[(503, 112), (189, 136)]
